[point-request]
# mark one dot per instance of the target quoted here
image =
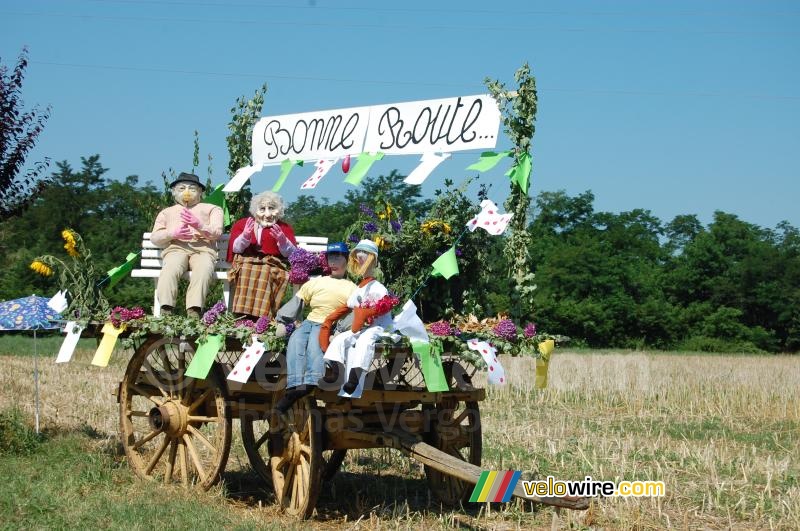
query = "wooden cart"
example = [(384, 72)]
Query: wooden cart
[(177, 429)]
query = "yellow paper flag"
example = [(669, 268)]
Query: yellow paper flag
[(106, 346), (546, 348)]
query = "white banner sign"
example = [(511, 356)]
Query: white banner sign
[(417, 127), (309, 135), (444, 126)]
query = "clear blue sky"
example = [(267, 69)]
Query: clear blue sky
[(679, 107)]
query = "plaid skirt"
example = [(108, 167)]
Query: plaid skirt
[(258, 283)]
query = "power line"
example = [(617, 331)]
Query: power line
[(460, 10), (470, 86), (340, 24)]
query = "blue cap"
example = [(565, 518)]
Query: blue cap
[(337, 247)]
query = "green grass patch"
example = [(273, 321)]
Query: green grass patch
[(73, 481), (17, 437), (47, 344)]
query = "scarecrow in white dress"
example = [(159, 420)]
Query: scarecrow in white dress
[(350, 353)]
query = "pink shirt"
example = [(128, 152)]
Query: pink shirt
[(169, 219)]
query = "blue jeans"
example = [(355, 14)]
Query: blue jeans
[(304, 355)]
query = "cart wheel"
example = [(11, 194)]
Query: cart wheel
[(255, 438), (173, 428), (332, 463), (297, 460), (456, 430)]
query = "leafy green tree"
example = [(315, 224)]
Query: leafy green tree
[(244, 115), (19, 130), (519, 117)]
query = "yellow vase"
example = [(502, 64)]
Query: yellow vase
[(542, 364)]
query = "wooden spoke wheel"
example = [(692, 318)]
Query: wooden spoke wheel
[(174, 429), (333, 460), (297, 460), (455, 428), (255, 437)]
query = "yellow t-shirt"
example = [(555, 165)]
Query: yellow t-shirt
[(325, 294)]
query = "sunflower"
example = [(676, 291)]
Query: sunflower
[(41, 268), (430, 226), (69, 238), (381, 243)]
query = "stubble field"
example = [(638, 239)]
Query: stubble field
[(721, 431)]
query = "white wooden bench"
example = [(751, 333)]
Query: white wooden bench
[(151, 263)]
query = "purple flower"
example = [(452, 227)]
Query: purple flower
[(210, 317), (506, 329), (441, 328), (396, 225), (245, 323), (458, 252), (262, 324), (530, 330), (370, 227), (289, 329), (303, 263), (352, 238), (366, 210)]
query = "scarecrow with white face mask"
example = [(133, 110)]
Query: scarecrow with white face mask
[(187, 232), (257, 250), (349, 354)]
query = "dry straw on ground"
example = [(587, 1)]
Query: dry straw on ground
[(722, 432)]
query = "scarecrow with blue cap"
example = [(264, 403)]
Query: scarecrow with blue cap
[(323, 295), (350, 353)]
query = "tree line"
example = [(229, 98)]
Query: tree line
[(604, 279)]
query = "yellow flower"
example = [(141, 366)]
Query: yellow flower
[(429, 226), (68, 236), (381, 243), (41, 268), (71, 250), (70, 246)]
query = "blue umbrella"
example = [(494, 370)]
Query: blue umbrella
[(27, 313)]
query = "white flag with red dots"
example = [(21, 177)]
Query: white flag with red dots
[(495, 371), (321, 168), (490, 219), (247, 362)]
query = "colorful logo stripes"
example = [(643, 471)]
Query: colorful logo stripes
[(494, 486)]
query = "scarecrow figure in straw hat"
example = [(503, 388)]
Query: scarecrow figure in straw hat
[(349, 354), (187, 232)]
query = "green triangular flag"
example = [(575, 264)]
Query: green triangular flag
[(365, 162), (488, 160), (217, 197), (204, 356), (446, 265), (118, 273), (286, 167), (431, 364), (520, 173)]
